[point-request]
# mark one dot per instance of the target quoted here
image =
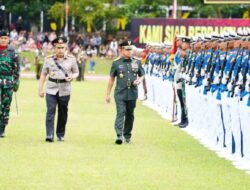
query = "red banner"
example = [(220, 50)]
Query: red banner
[(163, 30)]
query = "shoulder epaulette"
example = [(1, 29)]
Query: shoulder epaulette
[(70, 56), (116, 59), (49, 56)]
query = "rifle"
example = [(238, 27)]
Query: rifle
[(237, 73), (211, 74), (232, 66), (185, 62), (190, 62), (209, 63), (244, 80), (223, 66), (152, 66), (190, 73), (198, 75)]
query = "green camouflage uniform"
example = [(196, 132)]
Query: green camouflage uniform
[(39, 63), (9, 82)]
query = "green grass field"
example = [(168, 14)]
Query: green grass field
[(161, 157)]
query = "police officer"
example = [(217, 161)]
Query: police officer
[(129, 74), (39, 62), (81, 61), (9, 78), (62, 69)]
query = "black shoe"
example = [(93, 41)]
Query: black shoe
[(60, 139), (127, 141), (184, 124), (118, 140), (49, 139), (2, 135)]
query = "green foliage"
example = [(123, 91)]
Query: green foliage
[(57, 10), (145, 8), (29, 9), (94, 11)]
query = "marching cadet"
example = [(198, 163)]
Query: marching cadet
[(245, 104), (9, 78), (129, 74), (61, 69), (179, 83), (233, 97)]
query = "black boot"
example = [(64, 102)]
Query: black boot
[(184, 123), (2, 130)]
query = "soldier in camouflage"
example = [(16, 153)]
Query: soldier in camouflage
[(9, 78)]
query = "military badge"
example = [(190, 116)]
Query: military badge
[(121, 75), (52, 74), (134, 65)]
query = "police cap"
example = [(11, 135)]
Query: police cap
[(4, 33), (186, 40), (59, 40), (126, 45)]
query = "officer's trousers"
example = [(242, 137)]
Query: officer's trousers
[(182, 103), (5, 101), (124, 117), (52, 102)]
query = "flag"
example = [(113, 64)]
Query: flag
[(144, 56), (174, 48)]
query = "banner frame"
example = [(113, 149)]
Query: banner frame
[(226, 2)]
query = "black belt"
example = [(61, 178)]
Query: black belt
[(57, 80), (5, 73)]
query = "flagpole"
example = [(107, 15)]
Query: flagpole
[(174, 9), (66, 29)]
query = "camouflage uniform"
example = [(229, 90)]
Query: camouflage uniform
[(9, 82), (39, 63)]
